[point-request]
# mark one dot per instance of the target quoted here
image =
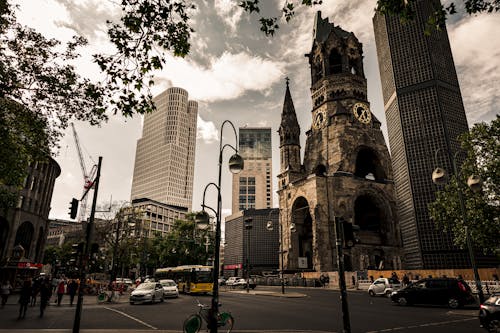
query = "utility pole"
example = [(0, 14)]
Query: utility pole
[(86, 252), (339, 228)]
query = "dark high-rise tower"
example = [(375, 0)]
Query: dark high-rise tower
[(424, 112)]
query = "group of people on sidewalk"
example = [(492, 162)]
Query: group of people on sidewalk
[(43, 287)]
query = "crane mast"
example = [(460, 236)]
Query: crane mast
[(87, 179)]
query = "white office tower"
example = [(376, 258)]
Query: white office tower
[(164, 160)]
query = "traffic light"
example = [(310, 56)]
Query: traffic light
[(349, 233), (73, 208)]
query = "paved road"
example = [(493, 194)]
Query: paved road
[(318, 311)]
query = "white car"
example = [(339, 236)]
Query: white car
[(383, 287), (147, 292), (231, 281), (169, 288)]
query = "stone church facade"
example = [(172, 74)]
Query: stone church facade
[(346, 171)]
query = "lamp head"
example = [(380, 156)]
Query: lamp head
[(202, 220), (293, 228), (439, 176), (269, 226), (475, 183), (236, 163)]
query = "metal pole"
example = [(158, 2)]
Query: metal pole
[(342, 285), (88, 239), (468, 240), (248, 260)]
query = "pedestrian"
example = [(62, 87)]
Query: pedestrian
[(24, 298), (5, 290), (327, 280), (34, 291), (55, 283), (45, 294), (60, 292), (406, 280), (394, 276), (72, 288)]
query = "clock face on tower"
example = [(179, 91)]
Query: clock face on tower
[(362, 113), (319, 119)]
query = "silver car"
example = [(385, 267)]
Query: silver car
[(169, 288), (383, 287), (147, 292)]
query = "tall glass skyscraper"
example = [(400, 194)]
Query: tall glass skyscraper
[(252, 187), (424, 112), (164, 161)]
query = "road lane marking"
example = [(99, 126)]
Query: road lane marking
[(131, 317), (423, 325)]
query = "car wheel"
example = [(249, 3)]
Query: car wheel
[(388, 293), (402, 301), (153, 300), (371, 293), (453, 303), (494, 326), (162, 299), (131, 303)]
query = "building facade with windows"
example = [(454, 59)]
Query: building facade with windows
[(257, 245), (252, 187), (425, 116), (24, 228), (164, 161)]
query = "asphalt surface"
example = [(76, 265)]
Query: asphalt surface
[(263, 310)]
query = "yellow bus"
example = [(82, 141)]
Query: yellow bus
[(190, 279)]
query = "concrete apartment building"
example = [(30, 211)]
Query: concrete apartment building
[(164, 161), (252, 187)]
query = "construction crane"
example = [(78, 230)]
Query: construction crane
[(88, 179)]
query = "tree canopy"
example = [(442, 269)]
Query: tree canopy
[(482, 210)]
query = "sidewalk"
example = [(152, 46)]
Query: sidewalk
[(260, 291), (149, 331), (87, 299)]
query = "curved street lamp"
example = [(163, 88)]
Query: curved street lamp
[(236, 164), (270, 227), (474, 182)]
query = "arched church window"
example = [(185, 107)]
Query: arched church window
[(353, 66), (335, 60), (368, 165), (367, 214), (302, 239), (320, 170)]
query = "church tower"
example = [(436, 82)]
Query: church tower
[(346, 170)]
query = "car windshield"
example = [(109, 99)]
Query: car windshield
[(203, 276), (146, 286), (495, 299), (168, 284)]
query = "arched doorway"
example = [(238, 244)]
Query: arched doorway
[(302, 219), (4, 234), (24, 236), (368, 165)]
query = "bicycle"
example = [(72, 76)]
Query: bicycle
[(193, 323), (107, 296)]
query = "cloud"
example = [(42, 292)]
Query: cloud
[(226, 77), (206, 131), (229, 12), (477, 59), (88, 18)]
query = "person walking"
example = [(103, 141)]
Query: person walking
[(72, 288), (34, 291), (60, 292), (5, 290), (45, 294), (24, 298)]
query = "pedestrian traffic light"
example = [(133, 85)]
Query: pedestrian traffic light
[(350, 230), (73, 208)]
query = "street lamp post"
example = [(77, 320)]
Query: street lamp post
[(270, 227), (248, 227), (235, 166), (474, 183)]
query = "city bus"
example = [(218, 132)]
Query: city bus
[(190, 279)]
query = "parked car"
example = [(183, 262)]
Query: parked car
[(440, 291), (489, 314), (232, 280), (169, 288), (383, 286), (222, 281), (147, 292), (242, 283)]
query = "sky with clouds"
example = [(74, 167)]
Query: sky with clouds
[(237, 73)]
